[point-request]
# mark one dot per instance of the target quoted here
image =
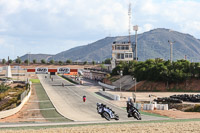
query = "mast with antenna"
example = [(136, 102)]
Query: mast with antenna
[(129, 25)]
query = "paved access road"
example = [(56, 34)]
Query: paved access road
[(68, 101)]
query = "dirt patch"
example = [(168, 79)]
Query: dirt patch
[(189, 86), (171, 127), (26, 114)]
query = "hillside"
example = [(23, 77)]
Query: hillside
[(151, 44), (38, 57)]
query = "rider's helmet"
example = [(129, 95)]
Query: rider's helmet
[(130, 99), (98, 104)]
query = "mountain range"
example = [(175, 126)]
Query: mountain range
[(151, 44)]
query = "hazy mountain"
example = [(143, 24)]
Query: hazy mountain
[(151, 44), (97, 51), (38, 57)]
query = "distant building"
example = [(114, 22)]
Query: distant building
[(94, 74), (121, 51)]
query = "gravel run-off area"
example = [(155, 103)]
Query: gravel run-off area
[(166, 127)]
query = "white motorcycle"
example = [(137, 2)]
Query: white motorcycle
[(106, 112)]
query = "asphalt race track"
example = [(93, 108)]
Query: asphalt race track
[(68, 101)]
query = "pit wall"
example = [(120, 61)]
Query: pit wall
[(107, 86), (13, 111), (111, 96)]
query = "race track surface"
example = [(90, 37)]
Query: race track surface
[(68, 101)]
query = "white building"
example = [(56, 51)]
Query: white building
[(121, 52)]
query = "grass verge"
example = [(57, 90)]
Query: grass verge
[(152, 114), (35, 80), (52, 114)]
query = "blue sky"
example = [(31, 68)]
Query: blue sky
[(52, 26)]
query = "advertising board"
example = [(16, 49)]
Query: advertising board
[(63, 70), (41, 70)]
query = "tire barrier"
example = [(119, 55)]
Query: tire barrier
[(179, 98), (155, 106), (187, 98), (167, 100), (137, 105)]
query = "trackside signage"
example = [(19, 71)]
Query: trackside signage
[(63, 70), (41, 70)]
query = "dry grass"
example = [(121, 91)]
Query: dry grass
[(171, 127)]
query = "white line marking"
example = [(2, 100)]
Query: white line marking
[(39, 101), (41, 109), (47, 118)]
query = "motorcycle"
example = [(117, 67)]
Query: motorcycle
[(133, 112), (84, 98), (106, 112)]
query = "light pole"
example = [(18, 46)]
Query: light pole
[(18, 68), (121, 74), (134, 79), (171, 49), (135, 28)]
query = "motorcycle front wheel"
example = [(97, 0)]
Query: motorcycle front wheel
[(137, 116), (106, 116), (116, 117)]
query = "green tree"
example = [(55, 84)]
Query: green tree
[(108, 61), (10, 61), (69, 62), (18, 60), (51, 62), (26, 61), (34, 61), (85, 62), (60, 62), (93, 62), (3, 61), (43, 61)]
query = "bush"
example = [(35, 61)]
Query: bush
[(196, 108)]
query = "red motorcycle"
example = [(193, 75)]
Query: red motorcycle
[(84, 98)]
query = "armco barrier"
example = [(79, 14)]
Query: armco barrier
[(114, 97), (107, 86), (10, 112)]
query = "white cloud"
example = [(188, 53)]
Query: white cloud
[(180, 15), (147, 27), (1, 41), (77, 21), (149, 7)]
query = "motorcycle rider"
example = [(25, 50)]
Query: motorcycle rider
[(84, 98), (129, 107)]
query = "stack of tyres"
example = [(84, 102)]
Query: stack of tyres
[(168, 100), (187, 98)]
